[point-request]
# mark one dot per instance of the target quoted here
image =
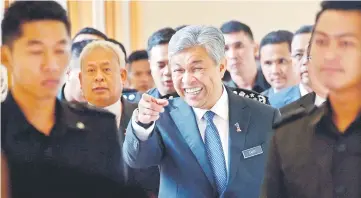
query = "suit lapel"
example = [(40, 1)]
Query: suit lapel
[(127, 111), (183, 116), (308, 100), (239, 115)]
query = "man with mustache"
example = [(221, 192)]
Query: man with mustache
[(102, 77), (276, 64)]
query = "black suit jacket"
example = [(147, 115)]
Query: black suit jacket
[(306, 101)]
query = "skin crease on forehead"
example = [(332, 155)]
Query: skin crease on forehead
[(193, 68), (240, 52), (38, 58), (158, 59), (100, 69), (282, 76), (140, 76), (336, 50)]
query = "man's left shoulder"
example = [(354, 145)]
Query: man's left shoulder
[(86, 110), (246, 93)]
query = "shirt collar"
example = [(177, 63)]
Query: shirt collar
[(114, 108), (319, 100), (220, 108), (303, 90)]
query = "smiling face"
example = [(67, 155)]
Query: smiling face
[(101, 76), (197, 79)]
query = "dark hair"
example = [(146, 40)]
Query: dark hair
[(277, 37), (77, 47), (92, 31), (236, 26), (137, 55), (306, 29), (160, 37), (120, 45), (180, 27), (21, 12), (339, 5), (334, 5)]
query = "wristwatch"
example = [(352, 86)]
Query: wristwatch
[(145, 126)]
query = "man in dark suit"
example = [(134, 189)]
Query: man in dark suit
[(51, 147), (316, 152), (210, 142), (276, 64), (310, 83), (102, 77), (159, 65), (241, 50)]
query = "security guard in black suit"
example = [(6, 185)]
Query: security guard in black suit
[(316, 152), (53, 149)]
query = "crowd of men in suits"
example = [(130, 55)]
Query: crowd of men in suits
[(202, 112)]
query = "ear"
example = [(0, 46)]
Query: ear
[(123, 76), (256, 50), (6, 57), (80, 80), (223, 67)]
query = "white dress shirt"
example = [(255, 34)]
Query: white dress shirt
[(116, 109), (221, 120), (319, 100), (303, 90)]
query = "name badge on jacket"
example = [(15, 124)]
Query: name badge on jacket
[(252, 152)]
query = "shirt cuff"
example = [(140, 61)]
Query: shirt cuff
[(141, 133)]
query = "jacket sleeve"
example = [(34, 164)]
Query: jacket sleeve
[(142, 153), (273, 184)]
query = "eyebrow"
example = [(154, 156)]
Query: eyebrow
[(235, 43), (38, 42), (347, 34)]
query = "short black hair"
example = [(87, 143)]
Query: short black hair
[(21, 12), (277, 37), (334, 5), (120, 45), (180, 27), (92, 31), (77, 47), (160, 37), (236, 26), (306, 29), (138, 55)]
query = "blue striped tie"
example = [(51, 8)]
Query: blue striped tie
[(215, 152)]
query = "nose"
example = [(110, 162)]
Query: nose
[(331, 53), (50, 63), (167, 71), (275, 68), (231, 53), (99, 76), (187, 78)]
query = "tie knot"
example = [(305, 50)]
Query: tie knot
[(208, 116)]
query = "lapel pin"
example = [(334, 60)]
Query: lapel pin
[(238, 129), (80, 125)]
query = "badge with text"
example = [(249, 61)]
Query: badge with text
[(252, 152)]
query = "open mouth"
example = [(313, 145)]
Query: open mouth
[(193, 91)]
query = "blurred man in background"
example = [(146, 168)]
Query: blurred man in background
[(240, 54)]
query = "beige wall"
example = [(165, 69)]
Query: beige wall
[(261, 16)]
